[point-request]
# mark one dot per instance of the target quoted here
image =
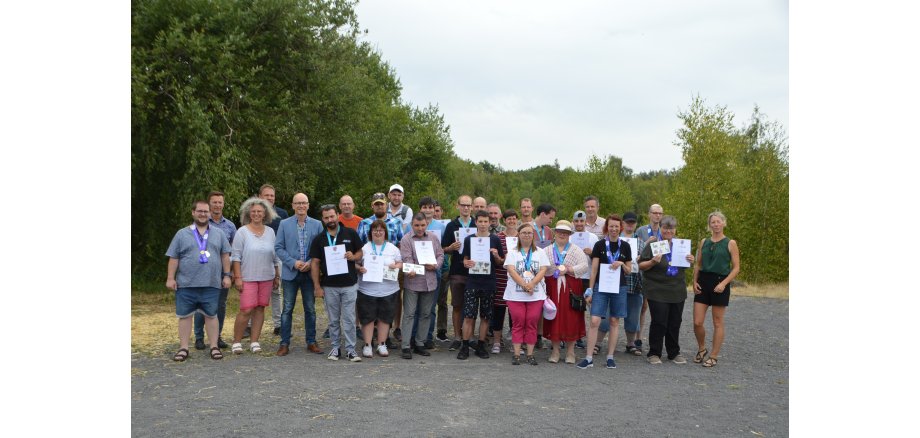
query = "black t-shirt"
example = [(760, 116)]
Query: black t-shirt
[(456, 259), (482, 281), (600, 252), (346, 236)]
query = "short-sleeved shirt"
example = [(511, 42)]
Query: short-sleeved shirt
[(517, 261), (351, 223), (657, 285), (600, 252), (482, 281), (645, 231), (394, 229), (225, 225), (597, 227), (256, 254), (345, 236), (456, 259), (390, 254), (543, 236), (191, 272)]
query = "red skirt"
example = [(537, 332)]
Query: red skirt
[(569, 325)]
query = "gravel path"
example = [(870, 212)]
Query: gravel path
[(747, 394)]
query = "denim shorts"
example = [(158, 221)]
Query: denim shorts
[(603, 301), (203, 300)]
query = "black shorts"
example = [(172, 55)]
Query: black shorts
[(473, 298), (709, 297), (371, 308)]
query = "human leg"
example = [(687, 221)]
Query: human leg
[(699, 330), (533, 314), (718, 329), (276, 307), (332, 300), (348, 301), (426, 300), (411, 308), (658, 312), (672, 333), (290, 289)]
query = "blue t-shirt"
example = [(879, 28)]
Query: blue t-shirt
[(191, 272)]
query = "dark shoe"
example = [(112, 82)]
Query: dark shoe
[(580, 344), (532, 360), (406, 353), (326, 334), (282, 350), (464, 352), (313, 348), (455, 345), (421, 351), (277, 331), (247, 332), (481, 350), (429, 345), (442, 335), (199, 344), (397, 334), (221, 344), (515, 360)]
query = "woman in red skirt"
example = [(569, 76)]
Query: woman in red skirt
[(567, 264)]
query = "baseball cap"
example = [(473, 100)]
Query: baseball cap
[(579, 215), (630, 217), (379, 197), (396, 187)]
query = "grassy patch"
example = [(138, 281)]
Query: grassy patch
[(772, 290)]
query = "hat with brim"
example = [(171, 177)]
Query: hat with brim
[(563, 225)]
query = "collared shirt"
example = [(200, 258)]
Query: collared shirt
[(225, 225), (428, 282), (394, 229), (597, 227), (497, 229)]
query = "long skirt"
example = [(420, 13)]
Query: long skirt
[(569, 325)]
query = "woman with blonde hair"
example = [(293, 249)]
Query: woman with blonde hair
[(718, 262)]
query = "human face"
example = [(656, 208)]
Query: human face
[(613, 229), (525, 236), (301, 204), (268, 195), (438, 212), (464, 205), (591, 208), (526, 209), (511, 222), (256, 214), (495, 214), (668, 233), (716, 225), (330, 219), (396, 197), (380, 209), (427, 210), (561, 237), (629, 228), (216, 204), (546, 218), (347, 205), (482, 225), (200, 214), (418, 227), (378, 234), (479, 204), (579, 224), (655, 214)]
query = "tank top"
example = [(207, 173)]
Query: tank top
[(716, 258)]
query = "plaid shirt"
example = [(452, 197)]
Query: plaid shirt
[(394, 229)]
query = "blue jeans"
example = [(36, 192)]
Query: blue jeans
[(633, 309), (418, 314), (304, 283), (221, 312), (340, 308)]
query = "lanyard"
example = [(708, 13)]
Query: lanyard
[(527, 259), (202, 243), (467, 224), (616, 255), (540, 232), (559, 257), (374, 248), (331, 239), (650, 232)]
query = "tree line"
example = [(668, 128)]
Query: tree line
[(230, 95)]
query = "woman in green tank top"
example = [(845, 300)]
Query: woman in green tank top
[(718, 262)]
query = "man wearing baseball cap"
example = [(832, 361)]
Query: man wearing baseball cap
[(396, 206)]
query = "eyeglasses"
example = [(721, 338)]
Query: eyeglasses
[(203, 211), (465, 205), (300, 203)]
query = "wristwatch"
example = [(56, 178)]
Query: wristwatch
[(227, 274)]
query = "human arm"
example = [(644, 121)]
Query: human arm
[(171, 267), (314, 275), (595, 264), (736, 267), (696, 268)]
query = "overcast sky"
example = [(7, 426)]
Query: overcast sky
[(524, 83)]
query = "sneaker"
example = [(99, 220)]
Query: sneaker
[(680, 360), (429, 345), (326, 334), (496, 348), (367, 351), (464, 352), (406, 353), (333, 354), (382, 350), (515, 360), (532, 360), (199, 344), (654, 360), (580, 344), (455, 345), (353, 357), (481, 350), (611, 364), (585, 364), (397, 334), (221, 344), (421, 351), (442, 336)]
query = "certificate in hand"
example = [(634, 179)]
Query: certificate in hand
[(679, 253), (634, 250), (580, 239), (374, 265), (424, 252), (660, 248), (410, 267), (512, 242), (335, 260), (390, 274), (608, 281), (479, 249), (481, 268), (461, 234)]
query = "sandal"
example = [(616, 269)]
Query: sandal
[(216, 354), (710, 362), (237, 348), (700, 355), (181, 355), (515, 360), (531, 360), (553, 358), (255, 347)]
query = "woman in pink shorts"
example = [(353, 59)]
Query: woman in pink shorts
[(256, 269)]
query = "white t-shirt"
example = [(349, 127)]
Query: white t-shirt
[(515, 260), (385, 288)]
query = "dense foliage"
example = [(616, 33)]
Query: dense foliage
[(230, 95)]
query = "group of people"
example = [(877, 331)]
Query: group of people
[(394, 270)]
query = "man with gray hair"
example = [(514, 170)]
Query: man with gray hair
[(495, 215), (593, 223)]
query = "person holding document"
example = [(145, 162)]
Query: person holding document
[(482, 252), (568, 263), (420, 247), (718, 263), (525, 291), (377, 297), (610, 262), (333, 254), (666, 293)]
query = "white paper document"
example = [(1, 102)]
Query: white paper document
[(479, 249), (581, 239), (335, 260), (390, 274), (374, 265), (512, 243), (679, 252), (660, 248), (608, 281), (424, 251), (412, 267), (634, 251), (461, 234)]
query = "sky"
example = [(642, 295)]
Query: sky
[(564, 80)]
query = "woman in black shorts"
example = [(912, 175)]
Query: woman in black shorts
[(717, 264)]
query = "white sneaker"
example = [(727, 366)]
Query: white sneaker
[(333, 354), (382, 350), (367, 351), (680, 360), (496, 348)]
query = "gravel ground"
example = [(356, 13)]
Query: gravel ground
[(747, 394)]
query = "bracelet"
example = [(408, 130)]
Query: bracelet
[(227, 274)]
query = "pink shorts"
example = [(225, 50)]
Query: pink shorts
[(255, 293)]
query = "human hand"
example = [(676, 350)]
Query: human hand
[(171, 284), (696, 288)]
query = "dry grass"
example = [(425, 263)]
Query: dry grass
[(772, 290)]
